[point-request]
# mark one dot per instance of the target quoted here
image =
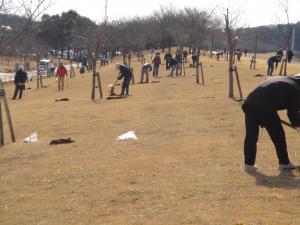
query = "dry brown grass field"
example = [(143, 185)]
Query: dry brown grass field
[(184, 169)]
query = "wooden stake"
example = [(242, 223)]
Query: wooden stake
[(282, 66), (238, 81), (94, 86), (39, 79), (202, 75), (1, 124), (10, 125), (132, 79), (11, 130), (99, 85), (197, 74)]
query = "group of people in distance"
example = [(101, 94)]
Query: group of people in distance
[(172, 64), (260, 107)]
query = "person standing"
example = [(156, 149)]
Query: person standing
[(20, 79), (185, 55), (168, 55), (194, 58), (179, 58), (156, 62), (124, 72), (146, 69), (260, 108), (60, 74)]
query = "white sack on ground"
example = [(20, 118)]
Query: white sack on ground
[(126, 136), (31, 138)]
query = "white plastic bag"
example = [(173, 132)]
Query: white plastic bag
[(126, 136), (31, 138)]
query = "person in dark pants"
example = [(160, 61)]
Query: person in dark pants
[(260, 108), (194, 58), (185, 55), (125, 73), (20, 79), (146, 69), (290, 56), (274, 59), (156, 62), (168, 55), (174, 65)]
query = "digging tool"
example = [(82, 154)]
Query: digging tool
[(287, 124)]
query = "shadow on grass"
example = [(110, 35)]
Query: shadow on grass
[(285, 179)]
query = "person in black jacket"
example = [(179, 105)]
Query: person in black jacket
[(174, 65), (168, 55), (125, 73), (274, 59), (290, 56), (20, 79), (260, 108)]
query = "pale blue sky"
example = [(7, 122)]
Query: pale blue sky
[(253, 12)]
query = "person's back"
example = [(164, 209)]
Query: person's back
[(125, 71), (273, 59), (20, 76), (156, 61), (173, 62), (147, 66), (290, 55), (276, 93), (61, 71), (167, 56)]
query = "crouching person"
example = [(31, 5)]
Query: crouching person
[(146, 69), (124, 72), (260, 108), (20, 79), (175, 65)]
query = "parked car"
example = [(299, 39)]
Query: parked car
[(46, 66)]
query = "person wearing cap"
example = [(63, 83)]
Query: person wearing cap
[(126, 73), (20, 79), (60, 74), (260, 108), (146, 69)]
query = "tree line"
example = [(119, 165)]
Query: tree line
[(70, 33)]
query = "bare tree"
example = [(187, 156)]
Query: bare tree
[(28, 9), (230, 23), (285, 6)]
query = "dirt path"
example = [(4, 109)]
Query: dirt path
[(185, 167)]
